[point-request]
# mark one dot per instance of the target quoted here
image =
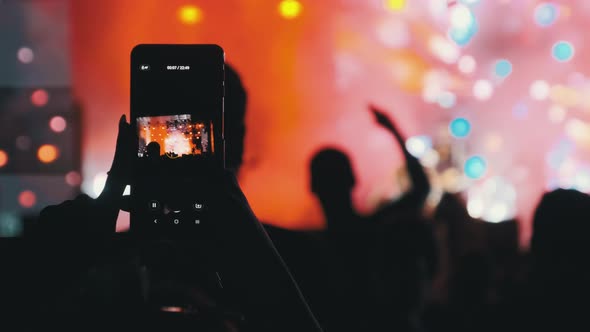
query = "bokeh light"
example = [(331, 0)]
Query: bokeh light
[(394, 5), (47, 153), (483, 89), (539, 90), (443, 49), (461, 17), (39, 97), (563, 51), (23, 142), (502, 68), (3, 158), (545, 14), (25, 55), (460, 127), (556, 114), (418, 145), (447, 99), (475, 167), (520, 110), (73, 178), (57, 124), (493, 201), (393, 33), (190, 14), (290, 9), (467, 64), (27, 199)]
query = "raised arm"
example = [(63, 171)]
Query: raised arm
[(414, 199)]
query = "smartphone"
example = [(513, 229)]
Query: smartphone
[(177, 112)]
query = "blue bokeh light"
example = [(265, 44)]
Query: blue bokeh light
[(563, 51), (462, 37), (475, 167), (460, 127), (546, 14), (503, 68)]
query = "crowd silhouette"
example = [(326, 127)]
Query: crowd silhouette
[(398, 269)]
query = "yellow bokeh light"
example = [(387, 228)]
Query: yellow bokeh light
[(189, 14), (290, 9), (47, 153), (394, 5)]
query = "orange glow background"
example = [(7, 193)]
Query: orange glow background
[(286, 67)]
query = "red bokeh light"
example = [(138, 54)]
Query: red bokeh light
[(57, 124), (73, 178), (27, 199), (3, 158), (39, 98)]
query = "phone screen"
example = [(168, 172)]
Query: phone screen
[(177, 112)]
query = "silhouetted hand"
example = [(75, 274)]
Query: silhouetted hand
[(85, 218), (383, 120)]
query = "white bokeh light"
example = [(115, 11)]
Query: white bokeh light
[(483, 89), (539, 90), (466, 64)]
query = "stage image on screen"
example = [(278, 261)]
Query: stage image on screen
[(174, 136)]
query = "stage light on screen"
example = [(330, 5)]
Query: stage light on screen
[(394, 5), (483, 89), (563, 51), (57, 124), (73, 178), (25, 55), (39, 97), (545, 14), (460, 127), (190, 14), (539, 90), (47, 153), (502, 68), (27, 199), (290, 9), (98, 183), (23, 142), (3, 158), (418, 145), (467, 64), (475, 167)]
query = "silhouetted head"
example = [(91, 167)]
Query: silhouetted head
[(331, 173), (234, 122), (153, 150), (561, 227)]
